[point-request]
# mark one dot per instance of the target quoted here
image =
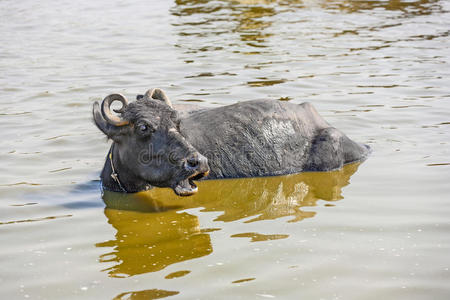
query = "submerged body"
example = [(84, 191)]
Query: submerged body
[(154, 145)]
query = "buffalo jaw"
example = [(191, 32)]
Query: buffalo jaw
[(187, 187)]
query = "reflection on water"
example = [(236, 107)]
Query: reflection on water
[(249, 21), (244, 280), (251, 18), (248, 12), (410, 8), (251, 24), (282, 37), (149, 242), (146, 294), (258, 237), (153, 232), (177, 274), (34, 220)]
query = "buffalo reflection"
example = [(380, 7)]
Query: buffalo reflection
[(262, 198), (153, 232), (149, 242)]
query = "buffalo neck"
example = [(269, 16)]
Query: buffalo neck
[(117, 177)]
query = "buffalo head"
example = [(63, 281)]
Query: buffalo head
[(147, 144)]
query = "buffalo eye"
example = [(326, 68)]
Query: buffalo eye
[(144, 129)]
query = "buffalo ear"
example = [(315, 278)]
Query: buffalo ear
[(157, 94), (111, 131)]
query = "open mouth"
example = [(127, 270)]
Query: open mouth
[(187, 187)]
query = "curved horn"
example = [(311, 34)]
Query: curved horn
[(158, 94), (106, 109)]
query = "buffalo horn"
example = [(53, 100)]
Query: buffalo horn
[(106, 109)]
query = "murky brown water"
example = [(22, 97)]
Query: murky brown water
[(378, 70)]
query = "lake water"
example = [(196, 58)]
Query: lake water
[(377, 70)]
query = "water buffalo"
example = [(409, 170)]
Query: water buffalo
[(155, 145)]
